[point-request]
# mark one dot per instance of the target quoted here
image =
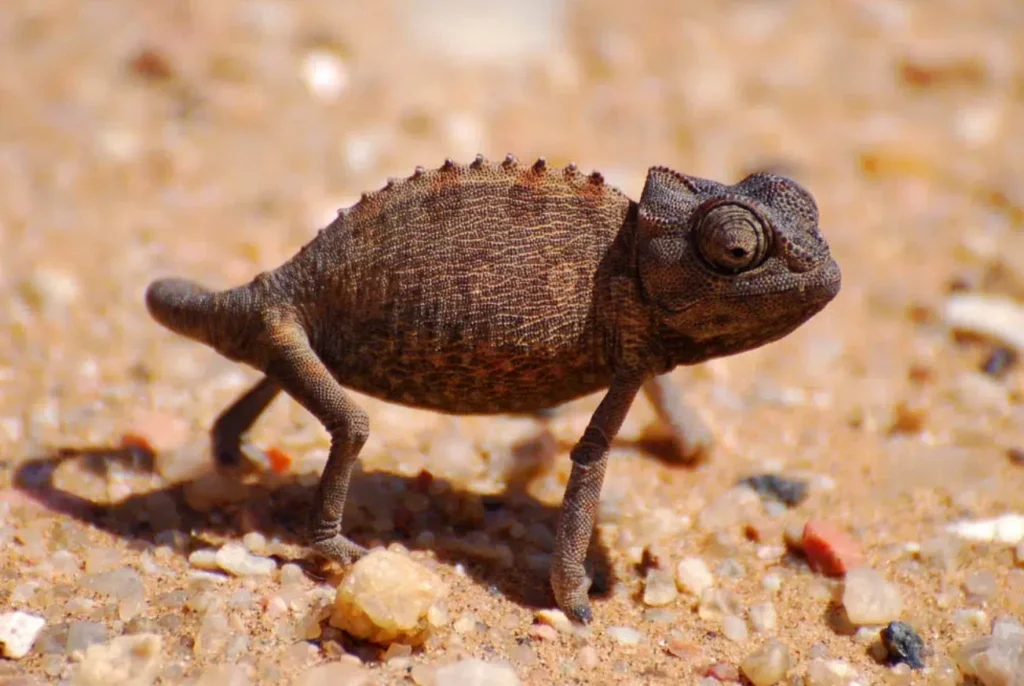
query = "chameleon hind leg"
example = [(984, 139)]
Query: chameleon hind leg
[(295, 367)]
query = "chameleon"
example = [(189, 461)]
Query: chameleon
[(500, 287)]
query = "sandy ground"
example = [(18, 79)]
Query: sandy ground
[(211, 139)]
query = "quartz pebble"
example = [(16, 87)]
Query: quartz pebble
[(81, 635), (869, 598), (829, 550), (997, 659), (659, 587), (624, 635), (734, 628), (903, 645), (1007, 528), (980, 585), (768, 664), (555, 618), (18, 631), (474, 672), (386, 597), (235, 559), (133, 659), (823, 672), (693, 576), (999, 317), (763, 618)]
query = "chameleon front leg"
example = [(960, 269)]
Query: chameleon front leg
[(569, 579), (300, 373), (691, 435), (233, 422)]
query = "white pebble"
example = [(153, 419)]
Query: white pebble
[(734, 628), (822, 672), (659, 587), (18, 631), (763, 618), (869, 598), (772, 582), (1007, 528), (255, 542), (235, 559), (693, 576), (768, 664), (624, 635), (324, 74), (204, 558), (1000, 317)]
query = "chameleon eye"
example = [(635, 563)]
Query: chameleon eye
[(731, 238)]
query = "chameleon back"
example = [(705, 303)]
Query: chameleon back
[(467, 289)]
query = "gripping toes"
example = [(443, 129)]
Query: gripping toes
[(339, 549)]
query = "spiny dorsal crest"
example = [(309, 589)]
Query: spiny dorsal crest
[(481, 167)]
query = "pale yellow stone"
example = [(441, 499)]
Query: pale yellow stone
[(386, 598)]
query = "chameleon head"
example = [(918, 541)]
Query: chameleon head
[(730, 268)]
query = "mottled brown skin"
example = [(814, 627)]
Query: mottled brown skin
[(500, 288)]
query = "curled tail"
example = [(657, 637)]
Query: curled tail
[(182, 306)]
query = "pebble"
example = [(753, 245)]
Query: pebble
[(734, 628), (1007, 528), (870, 599), (555, 618), (768, 664), (763, 617), (903, 645), (732, 508), (341, 673), (544, 632), (475, 672), (693, 576), (386, 597), (624, 635), (324, 74), (659, 587), (234, 559), (823, 672), (133, 659), (790, 492), (718, 602), (997, 659), (998, 317), (18, 631), (81, 635), (829, 550), (1020, 554), (981, 585)]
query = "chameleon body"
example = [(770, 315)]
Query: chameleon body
[(507, 288)]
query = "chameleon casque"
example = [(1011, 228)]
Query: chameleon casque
[(508, 288)]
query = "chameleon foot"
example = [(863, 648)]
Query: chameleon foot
[(570, 586), (339, 549)]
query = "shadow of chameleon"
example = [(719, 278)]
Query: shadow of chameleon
[(502, 541)]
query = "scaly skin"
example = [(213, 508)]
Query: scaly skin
[(491, 288)]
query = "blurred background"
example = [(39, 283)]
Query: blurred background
[(212, 138)]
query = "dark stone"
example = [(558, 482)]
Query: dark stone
[(999, 361), (791, 492), (903, 644)]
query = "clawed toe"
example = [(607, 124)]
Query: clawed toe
[(339, 549)]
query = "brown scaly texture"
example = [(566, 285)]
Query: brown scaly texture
[(501, 287)]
